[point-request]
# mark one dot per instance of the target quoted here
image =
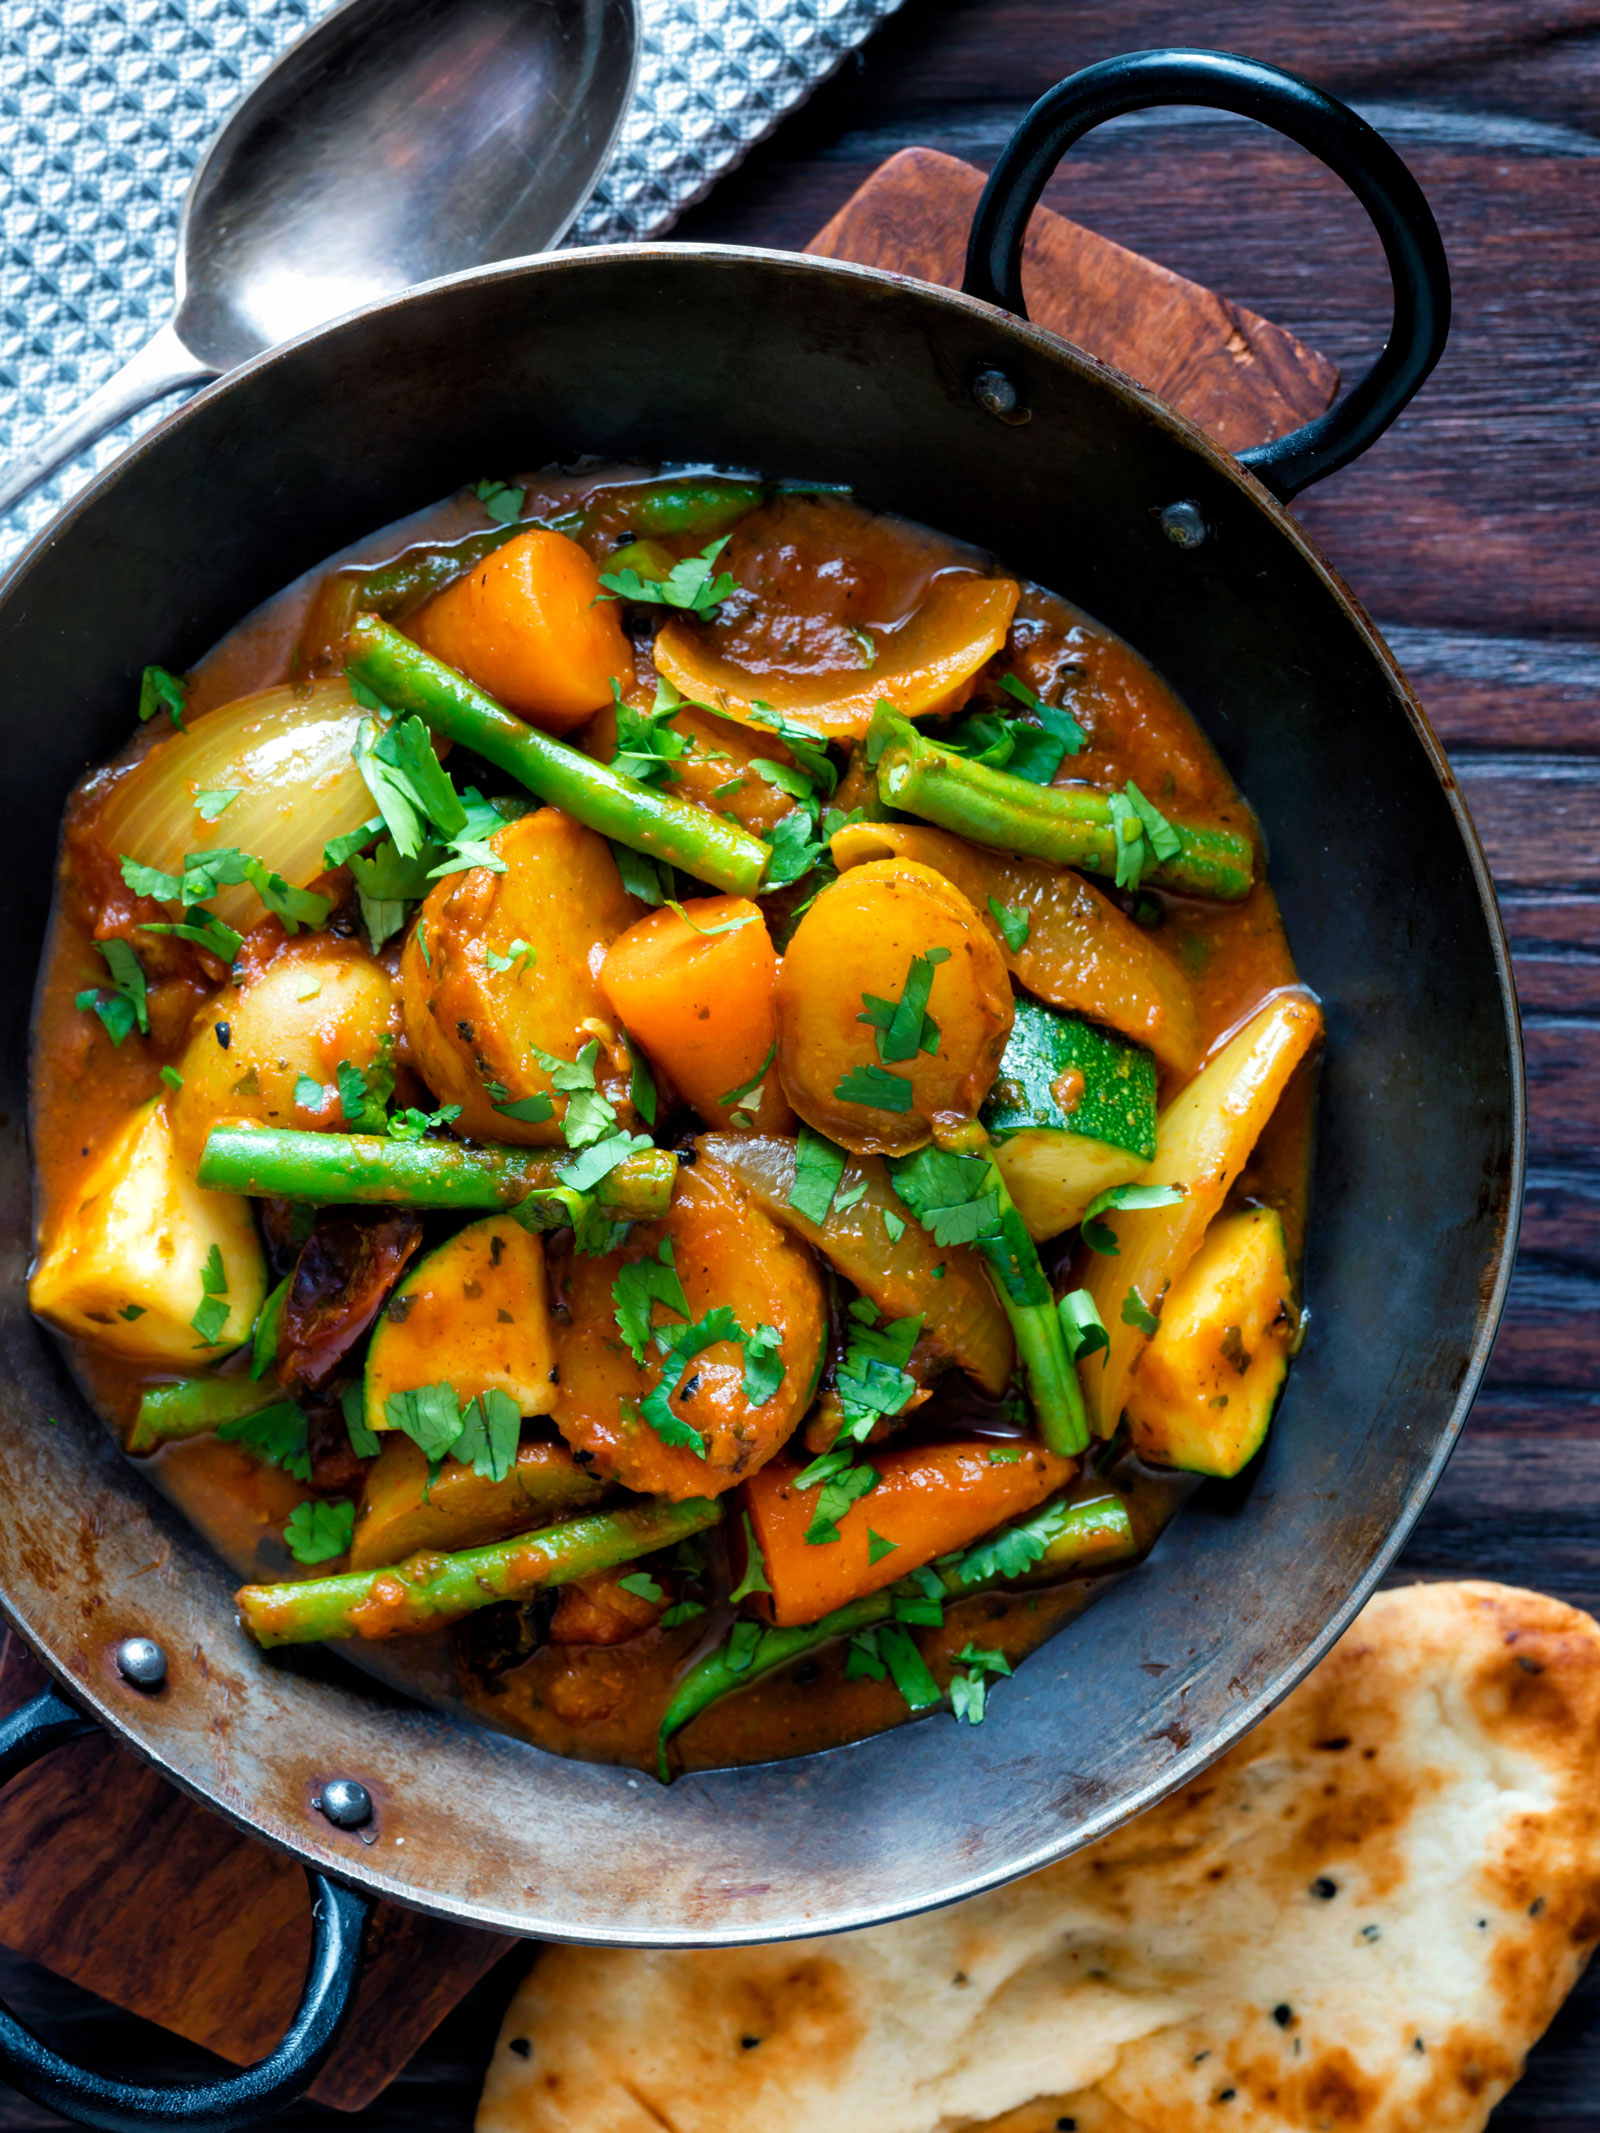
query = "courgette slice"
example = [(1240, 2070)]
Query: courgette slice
[(1204, 1390), (472, 1315), (1072, 1112)]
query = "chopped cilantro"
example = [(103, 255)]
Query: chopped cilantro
[(598, 1160), (1100, 1236), (904, 1026), (338, 851), (809, 749), (866, 644), (841, 1483), (647, 747), (763, 1365), (682, 1611), (500, 500), (893, 1224), (1138, 1314), (264, 1334), (162, 691), (1163, 839), (385, 884), (643, 1586), (589, 1116), (1004, 1454), (755, 1568), (131, 1311), (520, 953), (527, 1110), (907, 1668), (878, 1547), (1012, 920), (430, 1415), (728, 925), (209, 805), (950, 1195), (851, 1196), (361, 1108), (818, 1167), (1082, 1324), (969, 1691), (639, 1285), (275, 1434), (861, 1661), (682, 1344), (317, 1532), (126, 1007), (411, 1125), (491, 1425), (205, 929), (211, 1318), (750, 1090), (690, 585), (795, 848), (1130, 845), (872, 1381), (876, 1087), (1015, 1549), (1060, 724), (922, 1609), (309, 1093), (651, 880)]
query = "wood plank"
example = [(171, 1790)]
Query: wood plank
[(1555, 941), (1563, 1058), (1238, 376), (154, 1903), (1538, 817)]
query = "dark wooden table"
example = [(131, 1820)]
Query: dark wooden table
[(1472, 534)]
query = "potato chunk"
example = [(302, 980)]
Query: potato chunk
[(725, 1251), (257, 1052), (500, 967), (850, 960), (124, 1266), (1204, 1390)]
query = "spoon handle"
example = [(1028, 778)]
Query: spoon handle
[(160, 367)]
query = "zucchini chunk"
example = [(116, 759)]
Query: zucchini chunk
[(1204, 1390), (1072, 1113), (401, 1515), (472, 1315), (143, 1251)]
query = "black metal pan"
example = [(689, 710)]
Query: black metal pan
[(949, 408)]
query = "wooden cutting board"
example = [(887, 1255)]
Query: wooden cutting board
[(109, 1876)]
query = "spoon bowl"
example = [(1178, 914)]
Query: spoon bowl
[(396, 141)]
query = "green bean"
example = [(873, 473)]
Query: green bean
[(1096, 1532), (195, 1405), (703, 844), (701, 508), (1073, 825), (338, 1169), (1027, 1300), (431, 1589)]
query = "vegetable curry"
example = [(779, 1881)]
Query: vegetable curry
[(673, 1107)]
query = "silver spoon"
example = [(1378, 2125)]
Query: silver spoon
[(397, 140)]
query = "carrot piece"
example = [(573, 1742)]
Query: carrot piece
[(930, 1499), (525, 626), (701, 1002)]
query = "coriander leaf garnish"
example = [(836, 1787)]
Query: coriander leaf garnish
[(211, 1318), (763, 1365), (275, 1434), (126, 1007), (641, 1283), (893, 1224), (908, 1670), (651, 880), (682, 1611), (641, 1084), (861, 1661), (873, 1086), (866, 644), (682, 1344), (407, 780), (1144, 835), (1163, 838), (872, 1381), (749, 1091), (948, 1194), (1012, 920), (818, 1167), (430, 1415), (1082, 1324), (689, 585), (160, 690), (309, 1093), (969, 1691), (755, 1566), (904, 1026), (172, 1078), (808, 749), (1100, 1236), (533, 1110), (385, 883), (647, 747), (209, 805), (500, 500), (316, 1532), (590, 1117), (363, 1104), (520, 953), (1138, 1314), (643, 1587), (1011, 1552), (338, 851), (1061, 724), (841, 1483), (795, 849), (411, 1125), (491, 1425), (728, 925), (878, 1547), (598, 1161)]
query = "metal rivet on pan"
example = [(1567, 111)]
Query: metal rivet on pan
[(1183, 525), (997, 396), (346, 1802), (142, 1661)]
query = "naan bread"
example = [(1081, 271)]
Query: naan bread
[(1357, 1921)]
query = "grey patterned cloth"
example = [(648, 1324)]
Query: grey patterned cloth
[(107, 105)]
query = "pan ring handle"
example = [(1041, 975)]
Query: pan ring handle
[(1333, 133), (339, 1921)]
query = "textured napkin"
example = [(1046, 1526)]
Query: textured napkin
[(107, 105)]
